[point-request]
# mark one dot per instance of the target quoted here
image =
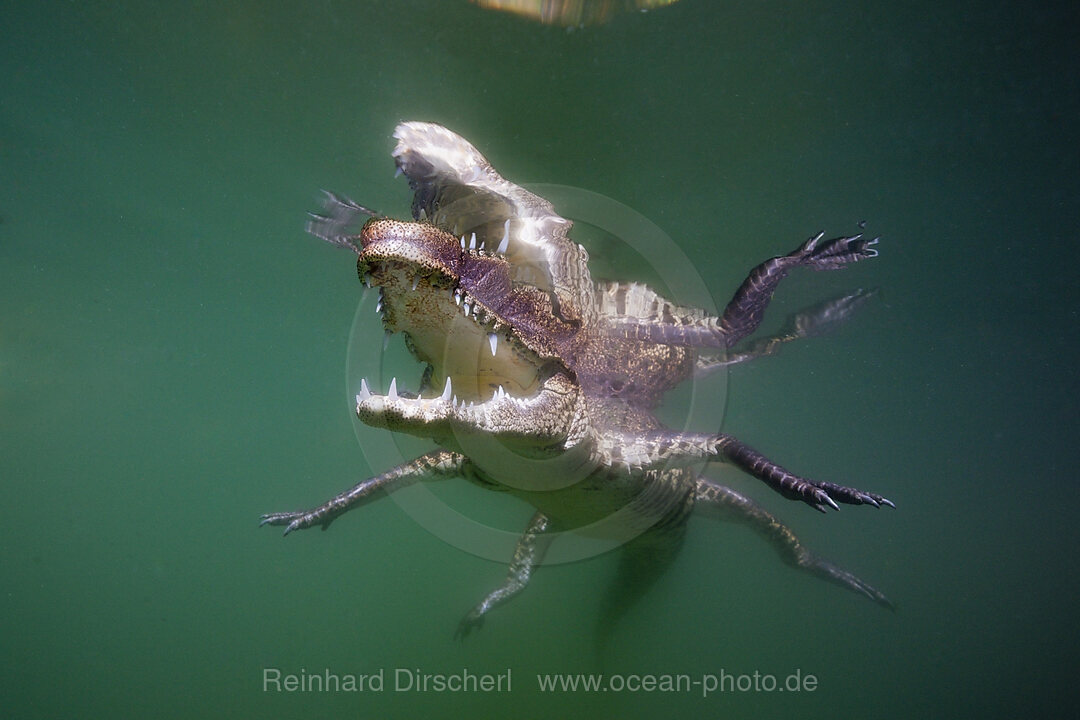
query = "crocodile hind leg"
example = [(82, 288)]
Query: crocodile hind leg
[(659, 449), (730, 505), (816, 493), (528, 553), (438, 464)]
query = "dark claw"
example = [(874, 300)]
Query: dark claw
[(851, 496), (836, 253), (277, 518), (869, 500), (808, 247), (876, 500)]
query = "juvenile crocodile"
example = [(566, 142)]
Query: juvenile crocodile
[(542, 382)]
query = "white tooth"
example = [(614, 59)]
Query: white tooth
[(423, 214), (378, 306), (504, 244), (462, 242), (493, 340), (391, 394), (365, 393), (472, 242), (447, 392), (398, 173), (457, 297), (468, 308), (502, 393), (415, 282)]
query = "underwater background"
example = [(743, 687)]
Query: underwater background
[(173, 352)]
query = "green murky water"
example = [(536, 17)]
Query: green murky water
[(172, 351)]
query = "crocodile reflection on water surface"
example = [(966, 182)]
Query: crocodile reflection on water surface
[(543, 382)]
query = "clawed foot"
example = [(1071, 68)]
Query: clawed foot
[(296, 520), (853, 496), (834, 254), (472, 621), (826, 570), (827, 315), (338, 223), (821, 495)]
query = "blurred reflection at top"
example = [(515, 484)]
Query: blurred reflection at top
[(572, 13)]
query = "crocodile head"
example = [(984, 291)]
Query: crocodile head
[(489, 294), (460, 311)]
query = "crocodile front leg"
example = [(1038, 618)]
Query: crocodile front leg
[(746, 308), (659, 449), (528, 553), (813, 321), (438, 464), (744, 312), (730, 505)]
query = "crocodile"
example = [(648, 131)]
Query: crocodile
[(542, 382)]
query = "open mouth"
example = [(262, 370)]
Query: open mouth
[(454, 302)]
